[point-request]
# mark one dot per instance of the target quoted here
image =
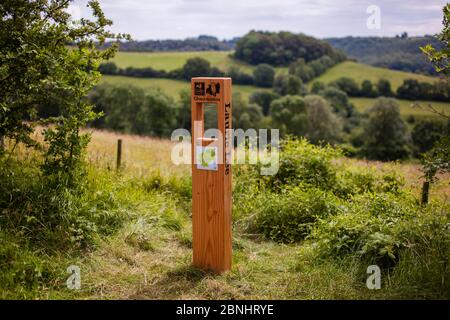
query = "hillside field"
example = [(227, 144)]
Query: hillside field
[(407, 107), (173, 60), (222, 60), (173, 87), (360, 72)]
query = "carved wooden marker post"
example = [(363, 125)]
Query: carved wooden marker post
[(211, 176)]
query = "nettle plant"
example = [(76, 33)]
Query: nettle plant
[(50, 60)]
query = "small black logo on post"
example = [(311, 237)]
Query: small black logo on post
[(199, 88), (213, 89)]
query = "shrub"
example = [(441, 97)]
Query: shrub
[(304, 163), (357, 180), (288, 216), (385, 132), (45, 211), (365, 230), (178, 186), (289, 115), (263, 75)]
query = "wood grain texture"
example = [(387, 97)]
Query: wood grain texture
[(211, 190)]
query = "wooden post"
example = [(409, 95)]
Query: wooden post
[(211, 180), (425, 192), (119, 154)]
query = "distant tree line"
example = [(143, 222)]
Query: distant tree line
[(263, 75), (282, 48), (398, 53), (200, 43), (194, 67), (323, 115), (411, 89)]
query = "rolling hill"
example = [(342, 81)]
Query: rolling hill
[(361, 72), (221, 59), (171, 87), (173, 60)]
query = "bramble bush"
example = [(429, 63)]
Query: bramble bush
[(45, 211), (310, 185), (289, 215)]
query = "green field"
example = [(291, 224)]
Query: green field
[(173, 60), (222, 60), (361, 72), (171, 87), (407, 107)]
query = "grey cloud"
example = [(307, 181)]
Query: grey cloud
[(159, 19)]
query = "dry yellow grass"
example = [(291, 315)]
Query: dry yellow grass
[(139, 154)]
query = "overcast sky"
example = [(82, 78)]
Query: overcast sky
[(178, 19)]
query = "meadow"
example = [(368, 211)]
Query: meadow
[(146, 250), (173, 60), (172, 87), (360, 72), (221, 59)]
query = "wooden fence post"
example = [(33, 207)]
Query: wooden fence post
[(119, 154), (425, 192)]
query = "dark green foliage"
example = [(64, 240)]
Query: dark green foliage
[(184, 114), (200, 43), (323, 125), (348, 85), (308, 186), (263, 99), (304, 163), (157, 117), (385, 132), (426, 133), (439, 53), (412, 89), (365, 229), (339, 101), (177, 186), (384, 88), (289, 115), (308, 71), (38, 68), (108, 68), (263, 75), (437, 160), (239, 77), (129, 109), (146, 73), (45, 211), (393, 53), (288, 217), (280, 49), (367, 89), (120, 104), (317, 86), (196, 67), (245, 115), (288, 85)]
